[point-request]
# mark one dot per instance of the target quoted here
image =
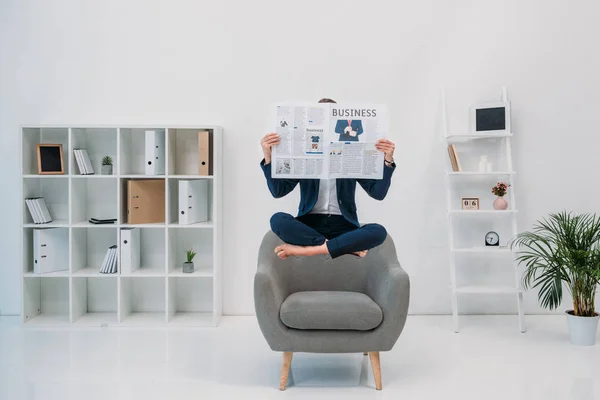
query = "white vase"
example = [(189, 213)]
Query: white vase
[(582, 330), (106, 169), (188, 267), (483, 163)]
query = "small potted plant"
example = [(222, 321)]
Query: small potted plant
[(500, 190), (188, 266), (565, 250), (106, 168)]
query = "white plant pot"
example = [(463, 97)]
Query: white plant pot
[(582, 330), (188, 267), (106, 169)]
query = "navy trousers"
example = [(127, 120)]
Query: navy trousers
[(342, 236)]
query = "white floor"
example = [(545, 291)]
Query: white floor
[(488, 360)]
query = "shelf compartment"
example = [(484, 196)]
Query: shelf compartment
[(94, 301), (470, 152), (133, 150), (98, 142), (174, 212), (89, 247), (152, 253), (470, 233), (184, 157), (123, 214), (56, 196), (200, 240), (93, 198), (142, 301), (28, 253), (46, 300), (190, 301), (34, 136)]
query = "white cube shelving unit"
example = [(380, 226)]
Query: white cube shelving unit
[(156, 294)]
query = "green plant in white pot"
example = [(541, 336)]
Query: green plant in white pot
[(564, 249), (107, 165), (188, 266)]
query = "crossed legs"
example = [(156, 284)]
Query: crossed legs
[(315, 234)]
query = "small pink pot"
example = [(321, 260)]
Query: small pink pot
[(500, 204)]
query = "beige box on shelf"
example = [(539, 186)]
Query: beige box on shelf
[(146, 201), (205, 153)]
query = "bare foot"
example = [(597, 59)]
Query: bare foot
[(361, 254), (286, 250)]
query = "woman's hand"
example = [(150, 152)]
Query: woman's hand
[(270, 139), (387, 147)]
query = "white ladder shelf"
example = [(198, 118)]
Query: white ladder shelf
[(503, 138)]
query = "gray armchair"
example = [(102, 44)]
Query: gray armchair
[(320, 305)]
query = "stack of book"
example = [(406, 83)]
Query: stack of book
[(38, 210), (109, 265), (83, 162), (97, 221)]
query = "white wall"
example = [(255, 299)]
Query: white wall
[(224, 61)]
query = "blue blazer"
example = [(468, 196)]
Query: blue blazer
[(355, 124), (346, 189)]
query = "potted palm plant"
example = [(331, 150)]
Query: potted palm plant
[(106, 168), (564, 250), (188, 266)]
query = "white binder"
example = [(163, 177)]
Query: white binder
[(155, 152), (130, 250), (80, 163), (38, 210), (193, 201), (50, 250), (32, 211), (87, 162), (44, 210)]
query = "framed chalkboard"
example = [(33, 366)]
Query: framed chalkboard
[(50, 159), (491, 118)]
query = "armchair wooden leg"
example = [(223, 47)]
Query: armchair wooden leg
[(374, 356), (285, 369)]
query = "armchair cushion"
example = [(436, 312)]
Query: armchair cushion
[(330, 310)]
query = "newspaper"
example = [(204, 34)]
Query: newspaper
[(328, 140)]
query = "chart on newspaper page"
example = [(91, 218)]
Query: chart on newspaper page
[(329, 141)]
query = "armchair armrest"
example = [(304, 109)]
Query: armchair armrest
[(270, 291), (389, 286)]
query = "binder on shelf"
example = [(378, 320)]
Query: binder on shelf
[(45, 212), (83, 162), (130, 250), (104, 261), (146, 201), (155, 152), (35, 216), (87, 162), (50, 250), (38, 210), (79, 160), (205, 153), (109, 265), (193, 201), (31, 210)]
